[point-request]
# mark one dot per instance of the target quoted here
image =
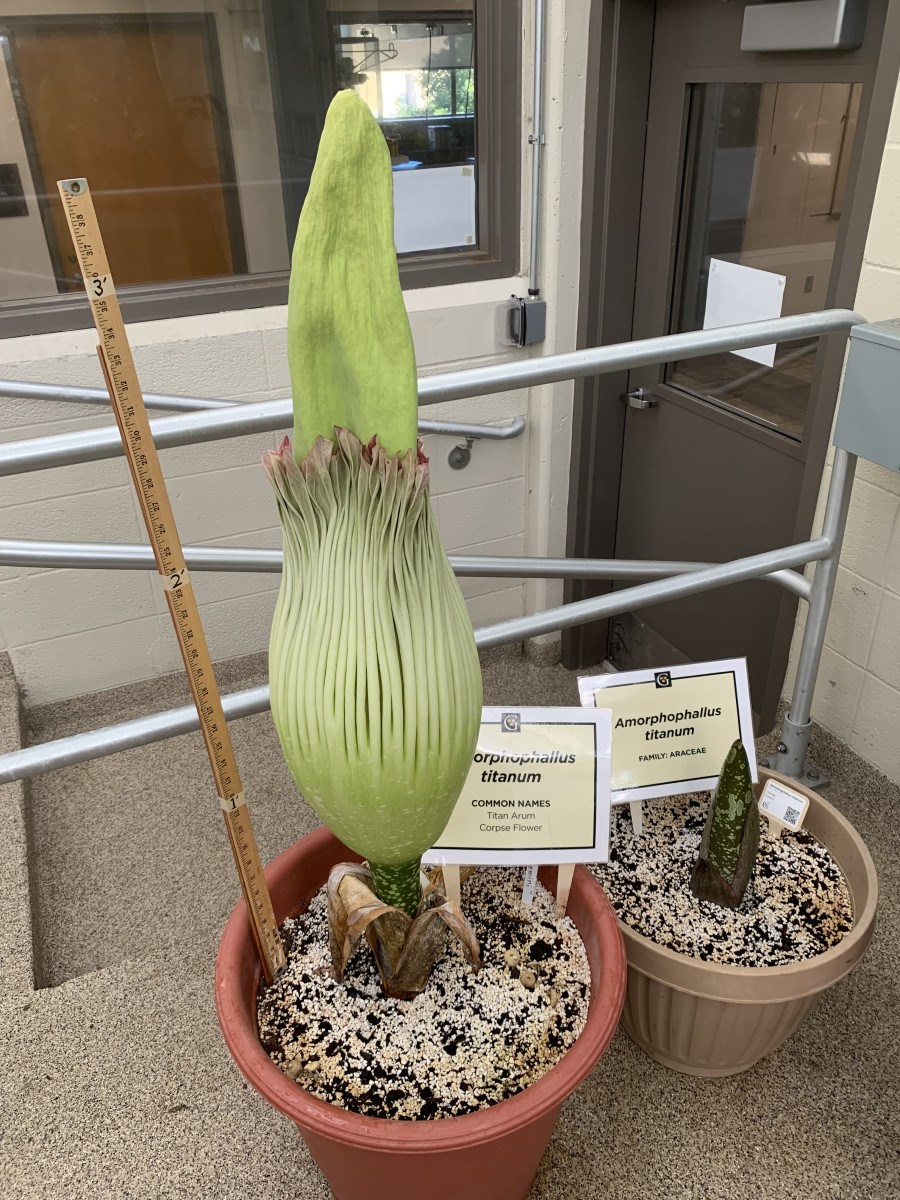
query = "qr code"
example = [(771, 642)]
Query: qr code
[(791, 816)]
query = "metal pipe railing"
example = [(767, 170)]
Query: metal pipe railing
[(646, 594), (513, 428), (16, 552), (493, 567), (38, 454), (536, 141), (790, 757), (34, 760), (683, 579), (833, 526), (98, 743), (12, 390)]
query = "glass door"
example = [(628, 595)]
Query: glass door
[(766, 177)]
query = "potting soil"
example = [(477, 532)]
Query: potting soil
[(468, 1041), (796, 906)]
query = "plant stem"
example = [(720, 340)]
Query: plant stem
[(398, 885)]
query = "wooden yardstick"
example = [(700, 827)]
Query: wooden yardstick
[(143, 461)]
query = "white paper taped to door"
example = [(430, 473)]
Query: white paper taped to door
[(736, 295)]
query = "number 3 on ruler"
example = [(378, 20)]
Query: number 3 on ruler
[(98, 285)]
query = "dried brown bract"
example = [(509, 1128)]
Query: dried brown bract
[(405, 948)]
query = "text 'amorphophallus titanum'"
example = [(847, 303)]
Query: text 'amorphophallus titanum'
[(374, 673)]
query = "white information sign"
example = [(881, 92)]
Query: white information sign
[(538, 791), (782, 805), (736, 294), (672, 728)]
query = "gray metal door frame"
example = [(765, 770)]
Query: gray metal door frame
[(616, 303), (618, 89)]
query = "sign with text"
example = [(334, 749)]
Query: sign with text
[(783, 805), (538, 790), (672, 728)]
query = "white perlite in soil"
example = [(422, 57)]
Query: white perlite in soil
[(468, 1041), (796, 906)]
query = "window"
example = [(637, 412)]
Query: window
[(767, 170), (419, 80), (197, 129)]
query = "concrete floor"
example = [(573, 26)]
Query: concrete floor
[(114, 1081)]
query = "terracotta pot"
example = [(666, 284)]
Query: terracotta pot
[(710, 1019), (489, 1155)]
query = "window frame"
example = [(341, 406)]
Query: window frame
[(498, 60)]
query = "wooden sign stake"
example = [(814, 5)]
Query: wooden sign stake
[(452, 884), (564, 875), (637, 817), (776, 829), (143, 461)]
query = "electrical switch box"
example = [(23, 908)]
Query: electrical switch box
[(868, 422), (526, 320)]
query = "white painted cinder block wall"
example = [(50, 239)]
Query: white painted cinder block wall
[(858, 690), (74, 632)]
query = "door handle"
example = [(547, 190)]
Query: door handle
[(639, 398)]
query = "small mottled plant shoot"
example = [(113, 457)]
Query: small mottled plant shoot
[(727, 853)]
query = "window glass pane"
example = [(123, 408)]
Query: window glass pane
[(197, 129), (767, 169), (418, 77)]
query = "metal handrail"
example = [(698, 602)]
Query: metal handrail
[(34, 760), (19, 552), (825, 550), (37, 454), (512, 428), (12, 390)]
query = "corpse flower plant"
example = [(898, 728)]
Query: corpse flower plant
[(374, 673)]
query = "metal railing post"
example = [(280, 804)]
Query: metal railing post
[(790, 758)]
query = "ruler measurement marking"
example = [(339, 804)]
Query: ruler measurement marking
[(143, 461)]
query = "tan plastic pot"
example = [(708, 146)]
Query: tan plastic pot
[(488, 1155), (710, 1019)]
